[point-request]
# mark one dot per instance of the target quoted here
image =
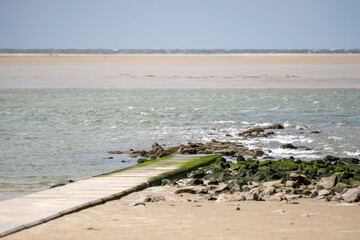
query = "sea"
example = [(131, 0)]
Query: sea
[(51, 136)]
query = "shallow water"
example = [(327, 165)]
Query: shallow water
[(53, 135)]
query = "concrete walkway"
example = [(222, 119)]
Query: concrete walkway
[(33, 209)]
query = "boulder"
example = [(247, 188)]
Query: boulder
[(187, 150), (240, 158), (290, 184), (192, 190), (195, 181), (278, 197), (225, 198), (269, 191), (222, 187), (300, 179), (155, 147), (323, 193), (272, 183), (351, 195), (288, 146), (327, 182), (257, 153), (339, 187)]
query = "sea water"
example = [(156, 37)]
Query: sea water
[(49, 136)]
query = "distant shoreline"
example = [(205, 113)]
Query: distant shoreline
[(178, 59)]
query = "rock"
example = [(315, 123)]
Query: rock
[(226, 152), (315, 132), (288, 146), (237, 209), (253, 132), (195, 182), (240, 158), (292, 196), (275, 126), (115, 152), (142, 160), (154, 198), (290, 184), (269, 191), (222, 187), (255, 190), (225, 198), (336, 197), (139, 205), (193, 190), (258, 153), (323, 193), (155, 146), (339, 187), (188, 151), (327, 182), (183, 182), (330, 158), (351, 195), (242, 198), (166, 182), (254, 196), (300, 179), (213, 182), (278, 197), (272, 183)]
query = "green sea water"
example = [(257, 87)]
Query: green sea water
[(53, 135)]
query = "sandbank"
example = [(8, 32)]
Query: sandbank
[(190, 217), (180, 71)]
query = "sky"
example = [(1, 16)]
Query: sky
[(180, 24)]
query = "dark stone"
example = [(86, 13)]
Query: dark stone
[(195, 182), (240, 158), (330, 158), (142, 160), (315, 132), (115, 152), (288, 146), (188, 151), (154, 198), (213, 182), (275, 126)]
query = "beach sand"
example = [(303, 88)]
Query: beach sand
[(181, 71), (189, 217)]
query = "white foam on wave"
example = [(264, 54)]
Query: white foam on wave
[(335, 138), (224, 122), (303, 154), (288, 125), (353, 154), (283, 139)]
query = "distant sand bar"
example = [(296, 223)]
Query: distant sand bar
[(181, 71)]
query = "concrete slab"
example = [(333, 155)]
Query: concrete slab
[(33, 209)]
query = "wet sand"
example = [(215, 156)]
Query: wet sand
[(189, 217), (181, 71)]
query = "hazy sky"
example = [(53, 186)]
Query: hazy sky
[(228, 24)]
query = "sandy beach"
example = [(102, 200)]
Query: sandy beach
[(187, 216), (181, 71)]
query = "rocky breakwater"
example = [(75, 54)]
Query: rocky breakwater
[(227, 148), (331, 179)]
